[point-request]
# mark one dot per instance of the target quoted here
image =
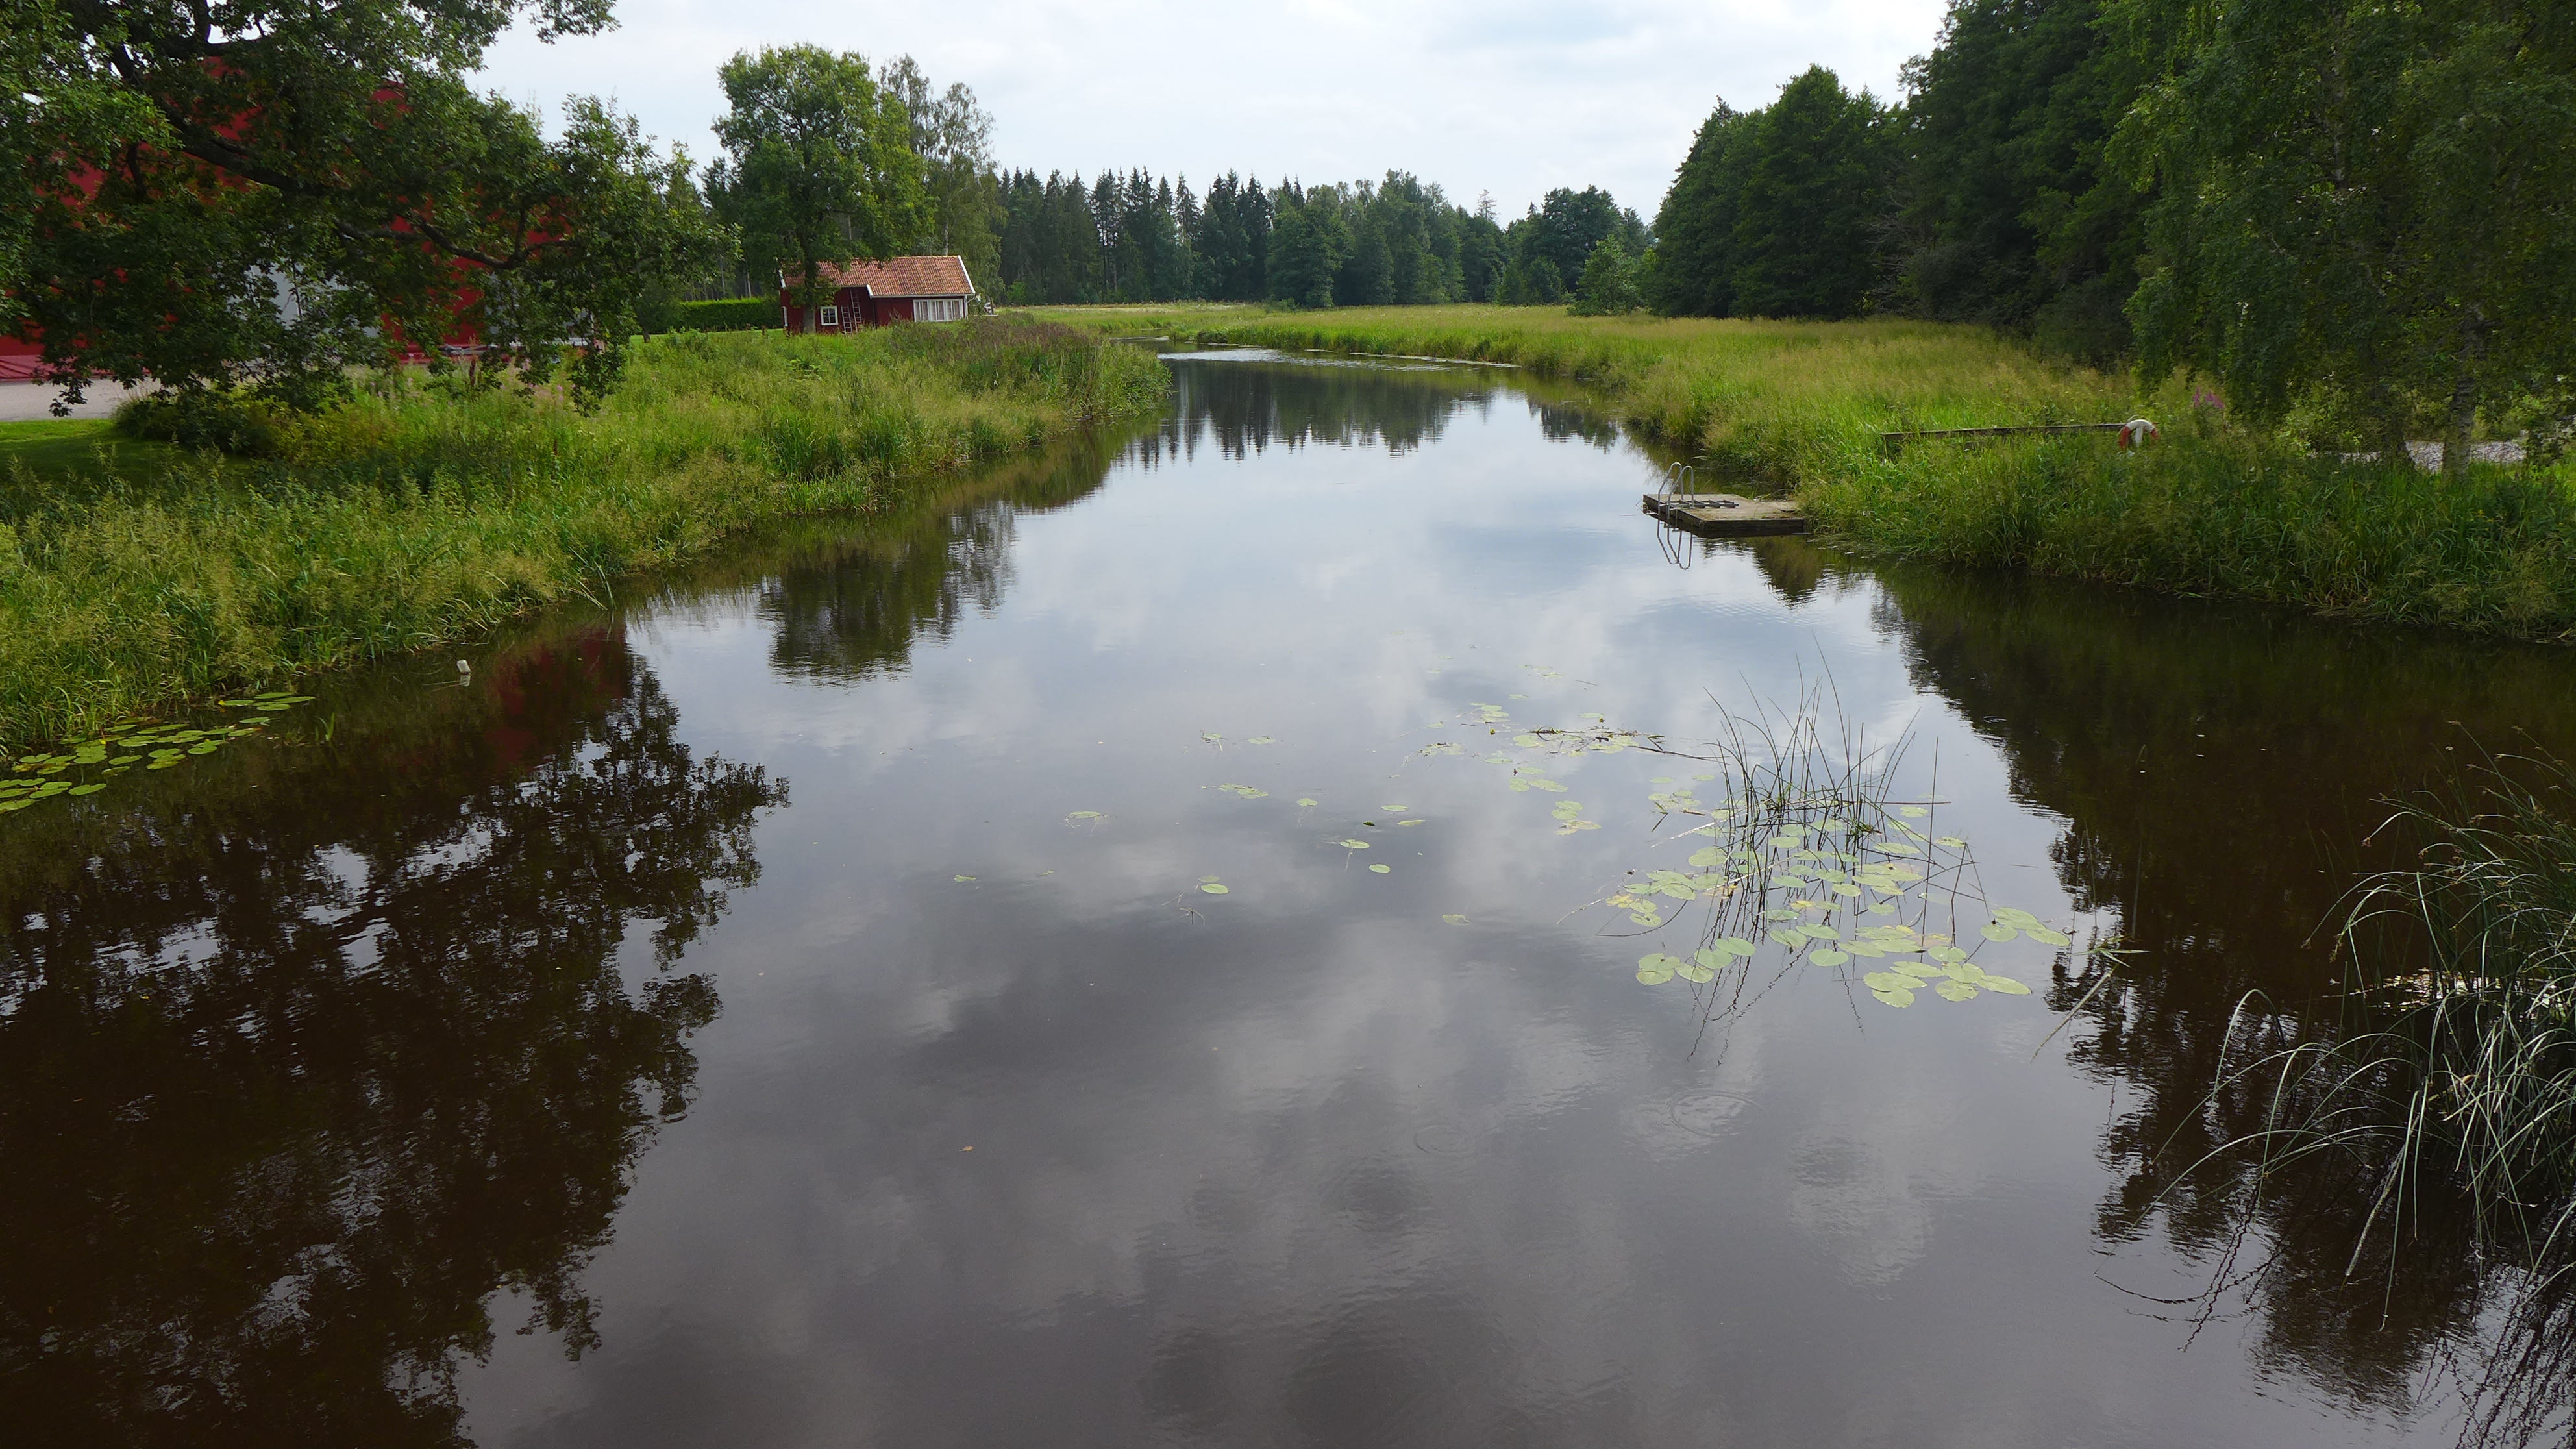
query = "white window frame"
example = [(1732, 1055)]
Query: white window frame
[(828, 318)]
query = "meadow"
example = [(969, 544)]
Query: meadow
[(2214, 509), (424, 510)]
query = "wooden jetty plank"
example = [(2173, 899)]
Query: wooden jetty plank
[(1726, 515)]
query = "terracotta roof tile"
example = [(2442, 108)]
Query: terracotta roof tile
[(902, 277)]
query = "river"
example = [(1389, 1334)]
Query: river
[(794, 995)]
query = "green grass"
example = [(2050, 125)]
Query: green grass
[(403, 520), (69, 450), (2213, 510)]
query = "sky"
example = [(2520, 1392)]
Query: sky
[(1513, 97)]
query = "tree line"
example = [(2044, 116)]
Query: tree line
[(2353, 215), (1392, 242)]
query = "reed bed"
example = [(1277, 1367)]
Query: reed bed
[(425, 511)]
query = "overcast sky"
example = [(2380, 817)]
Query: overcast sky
[(1508, 96)]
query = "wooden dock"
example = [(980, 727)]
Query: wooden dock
[(1724, 515)]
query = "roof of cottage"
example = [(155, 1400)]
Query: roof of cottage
[(903, 277)]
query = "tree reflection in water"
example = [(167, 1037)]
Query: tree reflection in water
[(2219, 770), (311, 1052)]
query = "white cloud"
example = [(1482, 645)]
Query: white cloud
[(1513, 97)]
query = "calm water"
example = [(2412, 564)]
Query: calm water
[(794, 991)]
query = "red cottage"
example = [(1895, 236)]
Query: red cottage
[(871, 294)]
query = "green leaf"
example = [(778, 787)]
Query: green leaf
[(1657, 969), (1455, 920), (1212, 888), (1355, 845), (2044, 936), (2004, 984), (1956, 991), (1895, 996), (1306, 801), (84, 789), (1997, 931), (965, 877), (1827, 958), (1381, 869)]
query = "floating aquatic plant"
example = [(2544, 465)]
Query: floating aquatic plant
[(80, 768)]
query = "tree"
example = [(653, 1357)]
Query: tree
[(818, 165), (1805, 223), (264, 192), (2364, 206), (2006, 211), (1608, 288), (952, 133), (1308, 245), (1695, 229)]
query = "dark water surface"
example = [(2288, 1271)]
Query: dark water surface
[(653, 989)]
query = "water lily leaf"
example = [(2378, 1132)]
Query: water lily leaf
[(1381, 869), (85, 789), (6, 806), (1950, 842), (1537, 783), (162, 764), (2004, 984), (1896, 847), (1306, 801), (1214, 889), (2046, 937), (1697, 971), (1355, 844), (1889, 981), (204, 747), (1828, 958), (1845, 888), (274, 694), (1734, 945), (1950, 955), (1997, 931), (1708, 856), (1657, 969), (1793, 942), (1870, 949), (1395, 809), (1416, 821), (1915, 811), (1895, 996), (965, 877), (1261, 740), (1455, 920), (1956, 991), (1084, 815)]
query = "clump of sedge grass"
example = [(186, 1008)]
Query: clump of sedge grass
[(2451, 1093)]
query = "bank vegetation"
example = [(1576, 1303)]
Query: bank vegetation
[(426, 509)]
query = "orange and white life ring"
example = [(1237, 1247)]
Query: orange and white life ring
[(2136, 433)]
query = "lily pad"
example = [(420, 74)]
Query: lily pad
[(1213, 888), (1828, 958), (1454, 920), (1381, 869), (1306, 801), (1355, 845), (1657, 969), (965, 877)]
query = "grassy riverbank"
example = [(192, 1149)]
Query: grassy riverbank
[(429, 512), (2214, 510)]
